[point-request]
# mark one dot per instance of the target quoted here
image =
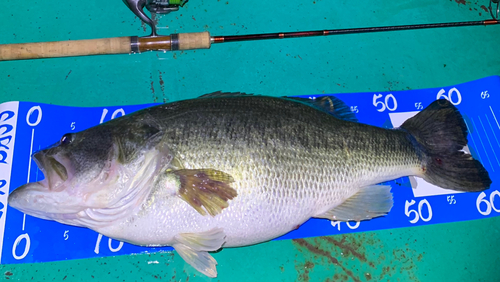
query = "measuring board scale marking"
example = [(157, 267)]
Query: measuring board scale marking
[(33, 126)]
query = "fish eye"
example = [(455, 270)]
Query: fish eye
[(66, 139)]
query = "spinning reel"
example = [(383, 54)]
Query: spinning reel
[(154, 7)]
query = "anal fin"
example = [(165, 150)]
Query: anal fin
[(194, 248), (369, 202)]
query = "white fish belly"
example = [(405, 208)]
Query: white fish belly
[(248, 220)]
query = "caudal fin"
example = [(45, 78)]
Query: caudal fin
[(441, 133)]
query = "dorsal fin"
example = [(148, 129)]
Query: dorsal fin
[(331, 105), (224, 94)]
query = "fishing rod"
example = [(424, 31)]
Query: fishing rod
[(186, 41)]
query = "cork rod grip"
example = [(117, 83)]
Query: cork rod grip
[(23, 51), (195, 40)]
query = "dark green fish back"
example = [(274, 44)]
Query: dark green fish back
[(282, 128)]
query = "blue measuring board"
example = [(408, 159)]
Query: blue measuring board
[(27, 127)]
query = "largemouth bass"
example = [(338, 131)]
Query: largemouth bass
[(229, 170)]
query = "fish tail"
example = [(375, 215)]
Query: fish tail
[(441, 134)]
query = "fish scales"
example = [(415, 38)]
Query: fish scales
[(288, 164)]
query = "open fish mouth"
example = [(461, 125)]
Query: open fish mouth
[(56, 174), (48, 198)]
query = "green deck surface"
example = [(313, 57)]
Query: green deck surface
[(466, 251)]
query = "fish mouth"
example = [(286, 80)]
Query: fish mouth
[(48, 198), (55, 172)]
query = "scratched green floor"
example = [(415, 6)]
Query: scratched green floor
[(467, 251)]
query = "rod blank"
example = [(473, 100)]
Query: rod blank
[(264, 36)]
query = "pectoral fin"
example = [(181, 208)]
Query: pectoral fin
[(194, 247), (369, 202), (206, 190)]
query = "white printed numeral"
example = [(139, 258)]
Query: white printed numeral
[(348, 223), (38, 117), (489, 204), (418, 213), (111, 248), (451, 200), (385, 104), (115, 113), (485, 95), (21, 237), (450, 96)]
